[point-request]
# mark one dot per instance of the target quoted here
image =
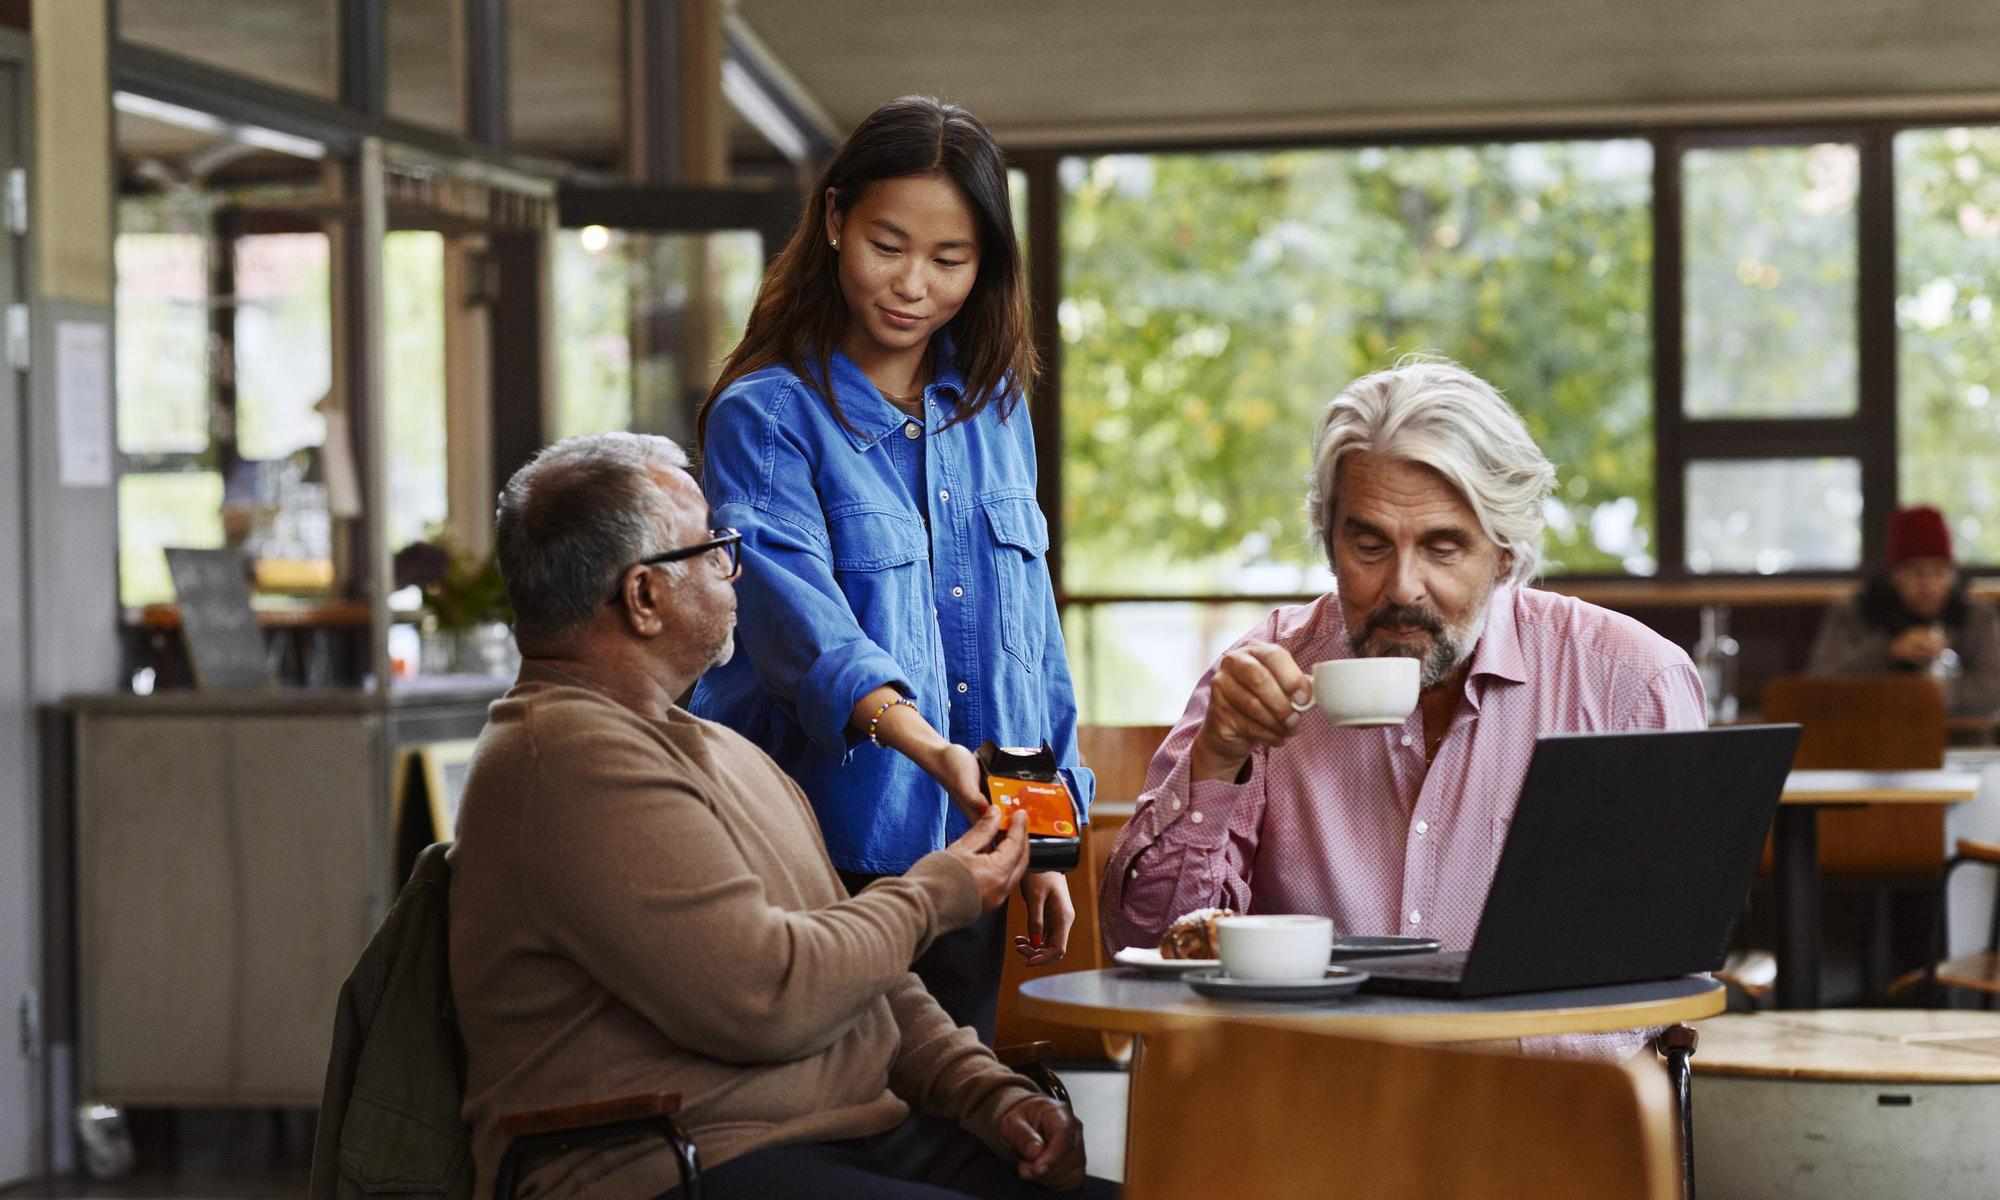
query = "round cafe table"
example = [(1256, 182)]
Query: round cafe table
[(1126, 1000)]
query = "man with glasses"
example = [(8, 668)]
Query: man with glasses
[(641, 900)]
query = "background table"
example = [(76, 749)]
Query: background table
[(1795, 837)]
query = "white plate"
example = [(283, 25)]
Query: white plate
[(1338, 981), (1148, 959)]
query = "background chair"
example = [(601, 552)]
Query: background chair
[(1977, 971), (1239, 1109), (1871, 723)]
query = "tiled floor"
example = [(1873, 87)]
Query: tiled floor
[(213, 1155), (255, 1156)]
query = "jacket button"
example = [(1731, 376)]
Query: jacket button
[(911, 431)]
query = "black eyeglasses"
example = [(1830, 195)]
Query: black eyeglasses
[(726, 540)]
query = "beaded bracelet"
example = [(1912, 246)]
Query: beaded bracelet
[(874, 722)]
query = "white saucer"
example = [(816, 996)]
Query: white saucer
[(1149, 960), (1339, 981)]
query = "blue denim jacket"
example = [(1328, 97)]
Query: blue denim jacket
[(891, 553)]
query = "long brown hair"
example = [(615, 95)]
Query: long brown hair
[(800, 315)]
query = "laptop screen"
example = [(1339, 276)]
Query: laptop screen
[(1629, 857)]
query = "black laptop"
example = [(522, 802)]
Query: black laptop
[(1629, 859)]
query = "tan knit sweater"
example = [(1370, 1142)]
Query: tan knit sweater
[(643, 905)]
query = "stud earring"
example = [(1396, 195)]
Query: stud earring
[(836, 243)]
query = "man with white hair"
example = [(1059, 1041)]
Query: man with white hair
[(1427, 496)]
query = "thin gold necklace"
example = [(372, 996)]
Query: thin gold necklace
[(893, 398)]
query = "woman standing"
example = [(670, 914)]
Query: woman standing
[(867, 438)]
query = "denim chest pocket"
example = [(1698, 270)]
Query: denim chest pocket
[(1020, 540), (879, 561)]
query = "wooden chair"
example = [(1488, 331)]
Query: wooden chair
[(1238, 1109), (1868, 723), (1977, 971), (1118, 754), (554, 1130)]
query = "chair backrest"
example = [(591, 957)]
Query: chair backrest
[(1868, 723), (1861, 723), (1237, 1109), (1120, 754)]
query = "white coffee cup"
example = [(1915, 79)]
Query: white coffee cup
[(1274, 948), (1366, 691)]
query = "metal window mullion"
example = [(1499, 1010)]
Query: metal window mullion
[(1876, 331), (1044, 201), (1772, 437), (1669, 365)]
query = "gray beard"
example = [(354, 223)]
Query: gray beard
[(1450, 648)]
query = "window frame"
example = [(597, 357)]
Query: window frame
[(1868, 435)]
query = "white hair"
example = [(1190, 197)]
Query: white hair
[(1435, 413)]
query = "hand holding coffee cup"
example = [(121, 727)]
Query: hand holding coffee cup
[(1252, 701), (1365, 691)]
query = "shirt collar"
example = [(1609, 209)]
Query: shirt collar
[(1499, 654), (870, 418)]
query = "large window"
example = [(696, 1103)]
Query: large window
[(1740, 348), (1214, 303), (1771, 277), (644, 321), (1948, 337)]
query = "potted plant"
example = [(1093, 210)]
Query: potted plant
[(467, 619)]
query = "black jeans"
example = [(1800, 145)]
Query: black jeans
[(962, 968), (924, 1158)]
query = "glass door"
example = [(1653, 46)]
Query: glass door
[(652, 289)]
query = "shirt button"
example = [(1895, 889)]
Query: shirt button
[(958, 591), (944, 493), (1132, 873), (1406, 739), (1423, 827), (1416, 918), (911, 431), (1195, 817), (961, 689), (1175, 803)]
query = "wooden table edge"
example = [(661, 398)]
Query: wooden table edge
[(1826, 799), (1434, 1028)]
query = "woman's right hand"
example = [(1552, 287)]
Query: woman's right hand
[(1919, 645), (996, 865), (955, 767), (896, 723)]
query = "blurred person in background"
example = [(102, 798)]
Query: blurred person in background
[(868, 438), (1914, 615)]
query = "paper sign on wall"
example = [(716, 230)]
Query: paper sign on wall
[(83, 403)]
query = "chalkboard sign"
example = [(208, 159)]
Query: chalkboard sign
[(224, 644)]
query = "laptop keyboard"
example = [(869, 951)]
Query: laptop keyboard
[(1448, 965)]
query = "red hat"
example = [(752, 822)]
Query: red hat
[(1918, 532)]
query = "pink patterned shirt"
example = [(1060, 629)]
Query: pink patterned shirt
[(1348, 823)]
